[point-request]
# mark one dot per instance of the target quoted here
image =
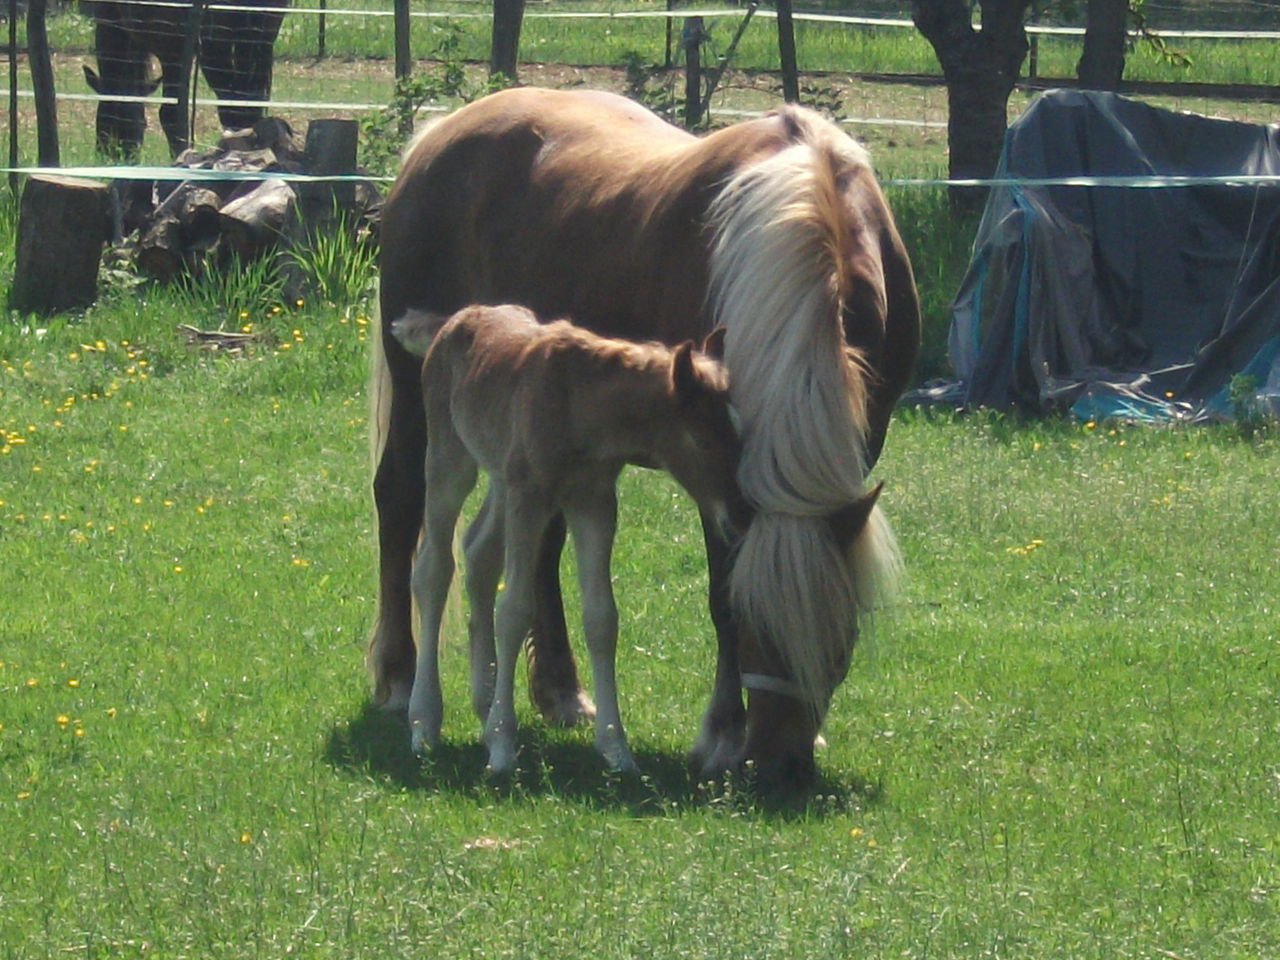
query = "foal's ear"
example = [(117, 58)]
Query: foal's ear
[(713, 345), (684, 379), (847, 522)]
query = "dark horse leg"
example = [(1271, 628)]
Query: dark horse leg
[(553, 678), (399, 491), (237, 59), (720, 742)]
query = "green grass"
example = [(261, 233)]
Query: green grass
[(1064, 741)]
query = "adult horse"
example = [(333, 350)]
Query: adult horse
[(584, 204), (235, 53)]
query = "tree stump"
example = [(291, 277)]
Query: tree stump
[(62, 226), (330, 149)]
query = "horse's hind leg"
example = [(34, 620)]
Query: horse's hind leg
[(720, 743), (450, 475), (483, 548), (398, 493), (525, 517), (594, 524), (553, 679)]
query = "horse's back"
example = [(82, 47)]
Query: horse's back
[(578, 203)]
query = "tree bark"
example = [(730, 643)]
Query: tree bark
[(62, 226), (1101, 65), (787, 53), (42, 84), (504, 55), (980, 67)]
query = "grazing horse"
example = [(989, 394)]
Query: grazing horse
[(584, 204), (235, 52), (552, 414)]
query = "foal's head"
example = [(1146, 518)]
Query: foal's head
[(700, 445)]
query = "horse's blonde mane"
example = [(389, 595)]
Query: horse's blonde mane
[(781, 265)]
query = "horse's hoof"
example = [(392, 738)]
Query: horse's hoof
[(397, 697), (569, 709)]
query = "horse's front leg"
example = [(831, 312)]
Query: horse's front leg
[(553, 678), (594, 524), (721, 740)]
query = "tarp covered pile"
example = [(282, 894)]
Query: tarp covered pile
[(1145, 298)]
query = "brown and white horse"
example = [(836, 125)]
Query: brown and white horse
[(552, 413), (584, 204)]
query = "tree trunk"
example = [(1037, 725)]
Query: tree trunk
[(508, 16), (980, 67), (787, 53), (1101, 65), (42, 84)]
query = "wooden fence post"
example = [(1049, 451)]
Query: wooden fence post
[(13, 96)]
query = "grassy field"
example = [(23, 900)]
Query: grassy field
[(1063, 742)]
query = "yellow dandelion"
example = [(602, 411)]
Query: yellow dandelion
[(856, 832), (246, 837), (62, 719), (301, 562), (177, 568), (78, 732), (111, 712), (24, 794), (73, 682), (33, 681)]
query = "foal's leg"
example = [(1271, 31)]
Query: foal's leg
[(721, 740), (525, 517), (450, 475), (483, 548), (594, 523)]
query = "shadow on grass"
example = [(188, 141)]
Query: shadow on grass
[(562, 763)]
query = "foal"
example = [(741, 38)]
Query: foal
[(552, 413)]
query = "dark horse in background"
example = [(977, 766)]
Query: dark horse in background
[(585, 204), (234, 51)]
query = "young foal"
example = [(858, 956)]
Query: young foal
[(552, 413)]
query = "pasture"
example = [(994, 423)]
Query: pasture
[(1063, 741)]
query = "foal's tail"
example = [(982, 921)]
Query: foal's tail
[(379, 394), (783, 265)]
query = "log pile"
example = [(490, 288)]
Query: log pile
[(178, 227), (173, 228)]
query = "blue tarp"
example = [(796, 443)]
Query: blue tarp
[(1143, 303)]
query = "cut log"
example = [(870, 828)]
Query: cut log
[(186, 224), (252, 224), (62, 226)]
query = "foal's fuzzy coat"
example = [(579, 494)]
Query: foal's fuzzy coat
[(551, 413)]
